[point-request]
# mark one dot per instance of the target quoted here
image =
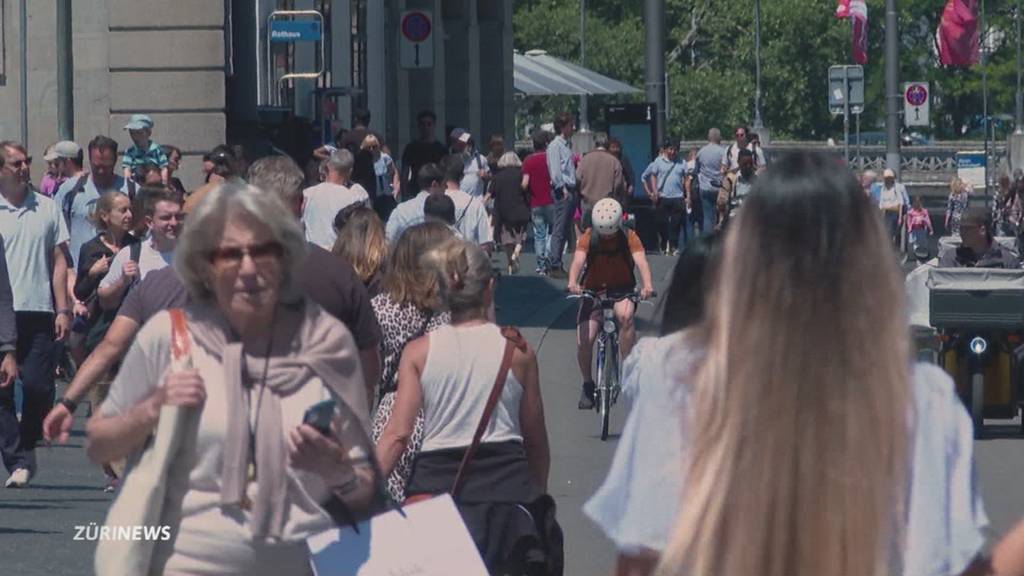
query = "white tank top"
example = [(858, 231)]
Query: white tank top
[(462, 365)]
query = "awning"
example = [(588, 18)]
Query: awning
[(538, 74)]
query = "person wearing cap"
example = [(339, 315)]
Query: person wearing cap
[(143, 149), (77, 197), (476, 170), (52, 178), (68, 161), (893, 201), (663, 184)]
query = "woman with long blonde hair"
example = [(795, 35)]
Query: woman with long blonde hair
[(361, 242), (799, 408)]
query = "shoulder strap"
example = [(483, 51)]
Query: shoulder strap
[(513, 340), (69, 200), (458, 221), (624, 247), (135, 251), (661, 185), (181, 348)]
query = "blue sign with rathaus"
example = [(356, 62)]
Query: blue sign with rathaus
[(295, 31)]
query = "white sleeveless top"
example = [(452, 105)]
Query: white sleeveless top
[(462, 365)]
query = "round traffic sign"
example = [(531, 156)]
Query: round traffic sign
[(917, 94), (416, 26)]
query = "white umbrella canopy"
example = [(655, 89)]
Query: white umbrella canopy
[(536, 73)]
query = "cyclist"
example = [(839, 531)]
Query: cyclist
[(606, 254)]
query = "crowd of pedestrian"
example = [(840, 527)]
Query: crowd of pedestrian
[(225, 313)]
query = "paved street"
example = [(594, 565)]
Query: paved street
[(37, 524)]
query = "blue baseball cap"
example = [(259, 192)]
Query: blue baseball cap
[(139, 122)]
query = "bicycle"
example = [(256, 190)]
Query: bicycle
[(607, 386)]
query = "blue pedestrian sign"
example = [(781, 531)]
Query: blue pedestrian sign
[(295, 31)]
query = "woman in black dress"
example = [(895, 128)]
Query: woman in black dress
[(112, 217), (511, 192)]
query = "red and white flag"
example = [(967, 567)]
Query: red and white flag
[(843, 9), (859, 22), (957, 37)]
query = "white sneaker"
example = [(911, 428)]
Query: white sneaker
[(19, 479)]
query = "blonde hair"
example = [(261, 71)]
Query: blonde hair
[(464, 274), (104, 206), (800, 411), (509, 160), (370, 140), (406, 280), (362, 243), (958, 185)]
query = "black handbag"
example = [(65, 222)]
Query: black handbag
[(539, 551)]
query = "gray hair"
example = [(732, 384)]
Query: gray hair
[(341, 161), (206, 225), (715, 135), (279, 175), (509, 160)]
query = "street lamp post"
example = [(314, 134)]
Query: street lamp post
[(758, 122), (584, 124), (1019, 117), (892, 92)]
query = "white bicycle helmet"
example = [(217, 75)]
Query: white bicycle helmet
[(606, 217)]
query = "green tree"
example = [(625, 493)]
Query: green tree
[(710, 51)]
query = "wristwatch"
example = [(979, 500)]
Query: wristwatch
[(68, 403)]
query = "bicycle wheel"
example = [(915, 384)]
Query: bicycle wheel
[(609, 379)]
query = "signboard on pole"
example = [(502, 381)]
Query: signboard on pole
[(970, 166), (916, 104), (295, 31), (846, 86), (416, 40)]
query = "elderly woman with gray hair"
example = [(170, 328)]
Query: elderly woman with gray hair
[(251, 480)]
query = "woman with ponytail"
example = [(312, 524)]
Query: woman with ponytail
[(450, 374)]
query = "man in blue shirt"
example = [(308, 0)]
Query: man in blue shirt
[(410, 213), (563, 190), (663, 182), (708, 170)]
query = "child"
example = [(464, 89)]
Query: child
[(958, 203), (143, 150), (919, 223)]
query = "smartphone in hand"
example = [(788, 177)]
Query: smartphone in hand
[(319, 416)]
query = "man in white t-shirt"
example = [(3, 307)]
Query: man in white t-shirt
[(470, 213), (325, 200), (744, 141), (893, 200), (163, 219), (475, 170)]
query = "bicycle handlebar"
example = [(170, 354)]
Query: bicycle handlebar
[(595, 296)]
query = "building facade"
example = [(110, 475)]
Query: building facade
[(207, 72)]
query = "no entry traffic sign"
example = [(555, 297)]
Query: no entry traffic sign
[(416, 40), (916, 105)]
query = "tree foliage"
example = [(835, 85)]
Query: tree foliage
[(711, 77)]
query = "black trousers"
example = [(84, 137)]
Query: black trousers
[(36, 359)]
